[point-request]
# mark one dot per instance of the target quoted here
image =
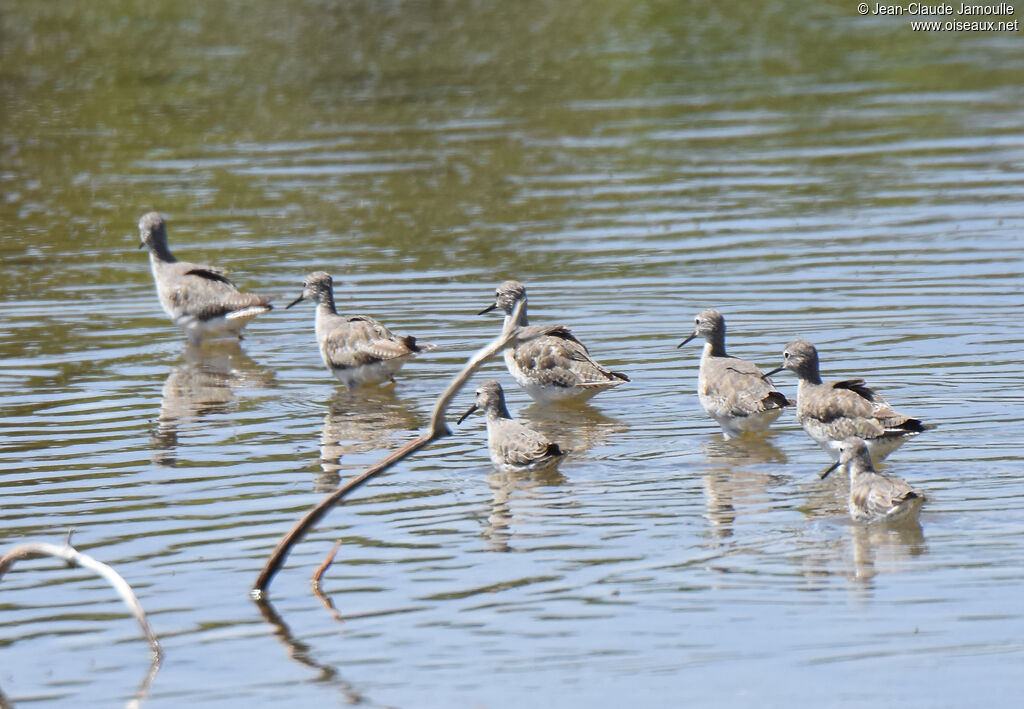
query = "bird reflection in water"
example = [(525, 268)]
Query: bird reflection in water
[(864, 550), (858, 552), (736, 476), (204, 385), (370, 420), (883, 546), (577, 429), (514, 497)]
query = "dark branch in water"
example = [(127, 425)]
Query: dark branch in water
[(318, 575), (510, 335)]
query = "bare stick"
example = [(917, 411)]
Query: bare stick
[(317, 590), (510, 334), (71, 555), (318, 574)]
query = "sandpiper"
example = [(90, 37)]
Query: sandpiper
[(831, 412), (733, 392), (356, 349), (874, 497), (198, 299), (555, 367), (513, 446)]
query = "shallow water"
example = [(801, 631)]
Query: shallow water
[(807, 171)]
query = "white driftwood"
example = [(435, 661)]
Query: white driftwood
[(72, 556)]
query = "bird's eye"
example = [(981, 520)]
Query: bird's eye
[(785, 355)]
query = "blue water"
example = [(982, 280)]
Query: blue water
[(806, 171)]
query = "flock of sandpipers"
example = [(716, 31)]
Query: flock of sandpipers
[(853, 423)]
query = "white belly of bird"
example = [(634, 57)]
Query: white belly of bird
[(738, 425), (213, 328), (879, 447), (893, 514), (353, 377)]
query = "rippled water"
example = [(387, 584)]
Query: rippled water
[(807, 171)]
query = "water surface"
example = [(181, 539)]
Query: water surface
[(807, 171)]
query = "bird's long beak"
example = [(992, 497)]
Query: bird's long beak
[(489, 308), (686, 340), (462, 418), (141, 244), (774, 371), (296, 301), (830, 469)]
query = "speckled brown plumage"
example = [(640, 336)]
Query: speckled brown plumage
[(201, 300), (733, 392), (512, 445), (355, 349), (554, 367), (874, 497), (831, 412)]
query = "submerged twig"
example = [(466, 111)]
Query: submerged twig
[(328, 604), (318, 574), (72, 556), (510, 334)]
